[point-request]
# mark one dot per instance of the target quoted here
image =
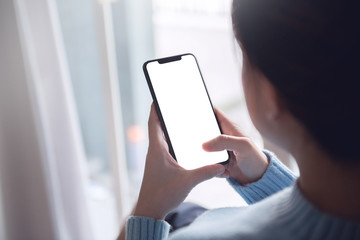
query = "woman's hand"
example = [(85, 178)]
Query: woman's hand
[(247, 162), (165, 184)]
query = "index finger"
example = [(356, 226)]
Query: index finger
[(226, 142)]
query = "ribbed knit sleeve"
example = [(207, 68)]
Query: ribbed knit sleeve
[(145, 228), (276, 177)]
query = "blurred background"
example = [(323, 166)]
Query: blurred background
[(74, 106)]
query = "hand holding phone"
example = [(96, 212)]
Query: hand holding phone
[(247, 162), (184, 109), (165, 184)]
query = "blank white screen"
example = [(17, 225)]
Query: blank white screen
[(186, 110)]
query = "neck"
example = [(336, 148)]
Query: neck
[(330, 185)]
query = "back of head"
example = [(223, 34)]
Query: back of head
[(309, 50)]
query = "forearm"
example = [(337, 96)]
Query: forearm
[(276, 177)]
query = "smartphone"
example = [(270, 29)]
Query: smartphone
[(185, 110)]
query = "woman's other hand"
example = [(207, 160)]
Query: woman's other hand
[(166, 184), (247, 162)]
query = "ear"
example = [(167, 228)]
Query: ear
[(273, 107)]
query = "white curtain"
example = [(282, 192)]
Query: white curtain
[(42, 161)]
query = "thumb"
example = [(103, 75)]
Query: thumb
[(207, 172)]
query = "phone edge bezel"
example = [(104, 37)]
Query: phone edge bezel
[(157, 108)]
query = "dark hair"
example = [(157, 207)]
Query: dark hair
[(309, 50)]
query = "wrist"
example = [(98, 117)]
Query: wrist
[(261, 166), (148, 210), (253, 167)]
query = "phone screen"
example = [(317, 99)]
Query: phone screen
[(185, 109)]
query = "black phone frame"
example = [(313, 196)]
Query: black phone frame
[(157, 108)]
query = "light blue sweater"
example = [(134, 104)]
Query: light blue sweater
[(277, 210)]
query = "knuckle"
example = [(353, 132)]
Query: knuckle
[(247, 141), (224, 137), (218, 140)]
